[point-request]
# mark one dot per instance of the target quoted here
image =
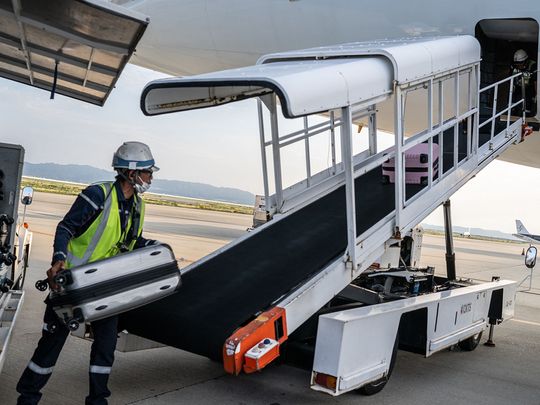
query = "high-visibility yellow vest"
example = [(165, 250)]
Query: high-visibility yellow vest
[(528, 72), (104, 237)]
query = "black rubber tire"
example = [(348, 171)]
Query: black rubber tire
[(377, 386), (471, 343)]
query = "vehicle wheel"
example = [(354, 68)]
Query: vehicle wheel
[(471, 343), (375, 387), (20, 282)]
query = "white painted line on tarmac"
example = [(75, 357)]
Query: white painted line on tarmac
[(526, 322)]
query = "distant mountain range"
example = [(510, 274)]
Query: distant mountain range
[(474, 232), (88, 174)]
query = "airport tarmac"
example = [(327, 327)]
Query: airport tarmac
[(508, 373)]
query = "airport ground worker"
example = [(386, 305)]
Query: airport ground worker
[(105, 219), (526, 86)]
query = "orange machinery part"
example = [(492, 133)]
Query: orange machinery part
[(526, 130), (270, 324)]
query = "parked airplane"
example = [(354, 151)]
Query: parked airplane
[(523, 233), (190, 37), (83, 49)]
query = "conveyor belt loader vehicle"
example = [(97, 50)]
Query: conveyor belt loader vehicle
[(303, 284), (15, 241)]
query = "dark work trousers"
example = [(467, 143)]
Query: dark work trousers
[(40, 368)]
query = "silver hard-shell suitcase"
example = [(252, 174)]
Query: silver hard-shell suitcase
[(111, 286)]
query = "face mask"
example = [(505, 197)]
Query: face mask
[(142, 187)]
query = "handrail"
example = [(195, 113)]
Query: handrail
[(500, 82), (509, 106)]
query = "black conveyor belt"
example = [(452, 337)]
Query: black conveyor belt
[(226, 291)]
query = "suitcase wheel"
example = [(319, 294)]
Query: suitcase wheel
[(73, 325), (424, 181), (385, 179), (424, 158), (42, 285), (60, 279), (63, 278)]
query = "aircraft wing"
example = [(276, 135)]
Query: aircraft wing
[(527, 238), (78, 48)]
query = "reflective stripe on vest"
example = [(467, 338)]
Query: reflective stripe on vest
[(103, 236)]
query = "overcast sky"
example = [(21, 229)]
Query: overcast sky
[(219, 146)]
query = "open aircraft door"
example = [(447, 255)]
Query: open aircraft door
[(77, 48)]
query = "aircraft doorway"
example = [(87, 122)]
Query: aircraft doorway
[(500, 39)]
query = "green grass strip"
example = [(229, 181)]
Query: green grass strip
[(57, 187)]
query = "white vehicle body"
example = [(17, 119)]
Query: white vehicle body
[(356, 345)]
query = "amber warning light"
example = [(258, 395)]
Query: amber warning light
[(325, 380)]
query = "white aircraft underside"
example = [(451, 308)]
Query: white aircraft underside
[(187, 37)]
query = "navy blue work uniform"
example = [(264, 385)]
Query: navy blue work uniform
[(83, 212)]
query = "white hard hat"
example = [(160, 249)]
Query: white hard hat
[(134, 156), (520, 56)]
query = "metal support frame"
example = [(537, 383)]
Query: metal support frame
[(333, 140), (372, 131), (306, 147), (476, 129), (430, 129), (63, 76), (456, 125), (399, 163), (263, 151), (470, 103), (441, 135), (17, 12), (406, 211), (363, 249), (509, 107), (449, 239), (276, 152), (71, 60), (528, 277), (347, 159), (27, 17)]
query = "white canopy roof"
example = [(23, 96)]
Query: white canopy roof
[(316, 80), (412, 58)]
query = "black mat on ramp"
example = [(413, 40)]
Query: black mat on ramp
[(227, 291)]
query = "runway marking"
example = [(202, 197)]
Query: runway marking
[(526, 322)]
